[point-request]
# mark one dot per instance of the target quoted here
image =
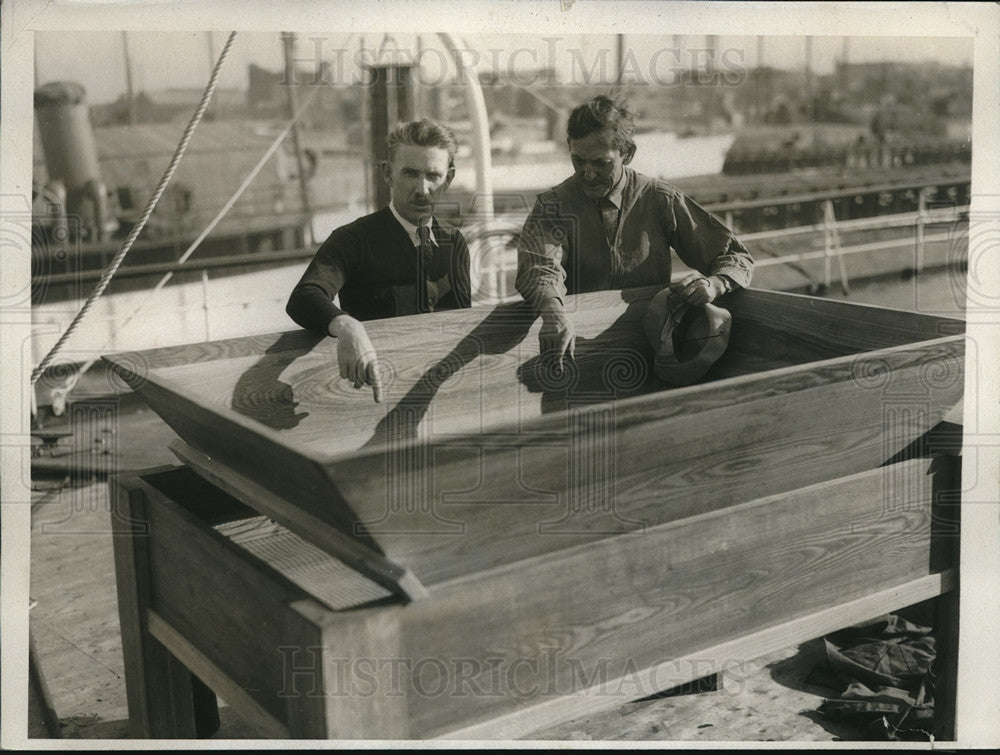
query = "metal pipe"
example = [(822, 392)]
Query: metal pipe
[(366, 140), (288, 39), (480, 130), (621, 60)]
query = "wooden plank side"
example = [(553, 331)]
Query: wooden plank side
[(443, 506), (473, 369), (506, 640), (160, 690), (353, 553), (343, 688), (232, 439), (460, 505), (222, 600), (250, 711), (725, 657), (479, 427), (771, 327)]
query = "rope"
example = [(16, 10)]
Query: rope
[(137, 229), (215, 221), (242, 188)]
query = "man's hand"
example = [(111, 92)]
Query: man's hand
[(557, 336), (355, 354), (695, 289)]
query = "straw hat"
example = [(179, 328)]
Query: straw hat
[(686, 339)]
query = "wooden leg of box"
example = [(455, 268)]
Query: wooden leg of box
[(164, 699), (947, 517), (945, 665), (946, 606), (206, 709)]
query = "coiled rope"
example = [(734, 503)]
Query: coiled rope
[(147, 212)]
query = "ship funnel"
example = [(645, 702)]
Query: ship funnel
[(71, 154)]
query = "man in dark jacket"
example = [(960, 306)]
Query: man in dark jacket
[(608, 226), (400, 260)]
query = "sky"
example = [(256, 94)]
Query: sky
[(163, 60)]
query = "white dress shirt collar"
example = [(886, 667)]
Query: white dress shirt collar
[(410, 228)]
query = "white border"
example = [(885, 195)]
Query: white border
[(979, 693)]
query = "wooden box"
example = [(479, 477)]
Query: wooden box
[(522, 545), (301, 646)]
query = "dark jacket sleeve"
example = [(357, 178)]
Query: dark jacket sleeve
[(311, 302), (460, 273)]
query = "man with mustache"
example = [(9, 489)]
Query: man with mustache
[(400, 260), (610, 227)]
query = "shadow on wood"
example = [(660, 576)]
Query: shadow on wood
[(261, 395)]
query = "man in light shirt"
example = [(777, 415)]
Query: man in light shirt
[(609, 227), (399, 260)]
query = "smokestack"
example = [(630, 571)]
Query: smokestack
[(71, 152)]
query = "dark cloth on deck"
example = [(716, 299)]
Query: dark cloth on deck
[(884, 671)]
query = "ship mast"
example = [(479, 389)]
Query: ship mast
[(129, 93), (288, 38)]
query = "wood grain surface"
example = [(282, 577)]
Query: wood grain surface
[(74, 581), (525, 634), (521, 646), (361, 562), (222, 600), (161, 690), (481, 455)]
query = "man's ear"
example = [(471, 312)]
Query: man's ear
[(386, 170), (628, 154), (449, 177)]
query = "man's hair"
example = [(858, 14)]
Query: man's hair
[(616, 118), (423, 133)]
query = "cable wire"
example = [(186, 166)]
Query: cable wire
[(112, 268), (225, 208)]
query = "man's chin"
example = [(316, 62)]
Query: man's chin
[(594, 192), (416, 214)]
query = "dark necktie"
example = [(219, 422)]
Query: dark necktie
[(426, 257), (609, 215)]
